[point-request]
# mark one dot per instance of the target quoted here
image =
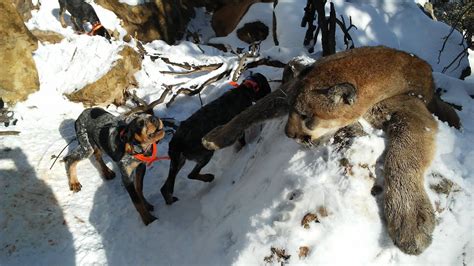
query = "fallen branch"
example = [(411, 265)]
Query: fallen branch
[(452, 30), (196, 90), (345, 30), (145, 107), (460, 56), (9, 133), (196, 69), (266, 62)]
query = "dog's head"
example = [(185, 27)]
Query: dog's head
[(259, 85), (142, 131)]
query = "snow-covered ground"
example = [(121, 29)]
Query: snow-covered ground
[(260, 194)]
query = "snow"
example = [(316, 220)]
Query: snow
[(260, 193)]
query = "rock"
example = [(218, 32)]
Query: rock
[(18, 75), (303, 252), (225, 18), (308, 218), (24, 7), (111, 87), (46, 36), (253, 32), (156, 20)]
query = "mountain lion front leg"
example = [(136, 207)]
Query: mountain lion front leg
[(271, 106), (275, 104), (411, 131)]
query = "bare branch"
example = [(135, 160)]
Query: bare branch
[(345, 30), (9, 133), (459, 57), (458, 19), (196, 69), (147, 107)]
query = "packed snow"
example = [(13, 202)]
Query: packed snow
[(261, 192)]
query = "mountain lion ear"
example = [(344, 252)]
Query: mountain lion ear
[(343, 92)]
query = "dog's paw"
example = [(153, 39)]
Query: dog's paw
[(410, 223), (148, 219), (204, 178), (210, 145), (207, 178), (109, 175), (169, 199), (75, 186)]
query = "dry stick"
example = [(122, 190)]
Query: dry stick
[(9, 133), (144, 108), (138, 100), (308, 18), (266, 62), (191, 92), (184, 91), (460, 56), (274, 24), (181, 65), (345, 30), (197, 69), (332, 29)]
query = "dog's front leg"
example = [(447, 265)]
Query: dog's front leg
[(126, 169), (77, 24), (62, 9), (139, 175)]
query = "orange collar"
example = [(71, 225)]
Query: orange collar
[(248, 83), (233, 84), (152, 158), (95, 28)]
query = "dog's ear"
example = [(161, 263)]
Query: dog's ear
[(135, 126), (343, 92)]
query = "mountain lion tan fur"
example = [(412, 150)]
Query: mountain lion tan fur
[(394, 91)]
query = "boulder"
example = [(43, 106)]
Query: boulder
[(24, 7), (226, 17), (111, 87), (157, 20), (253, 32), (18, 75), (46, 36)]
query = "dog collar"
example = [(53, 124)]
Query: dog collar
[(141, 156), (247, 83), (95, 27), (152, 158)]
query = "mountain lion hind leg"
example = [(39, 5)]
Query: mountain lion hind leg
[(411, 131)]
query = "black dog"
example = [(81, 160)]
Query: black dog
[(128, 144), (82, 12), (186, 142)]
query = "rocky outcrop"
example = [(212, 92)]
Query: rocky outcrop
[(160, 19), (46, 36), (253, 32), (24, 7), (225, 18), (18, 75), (111, 87)]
